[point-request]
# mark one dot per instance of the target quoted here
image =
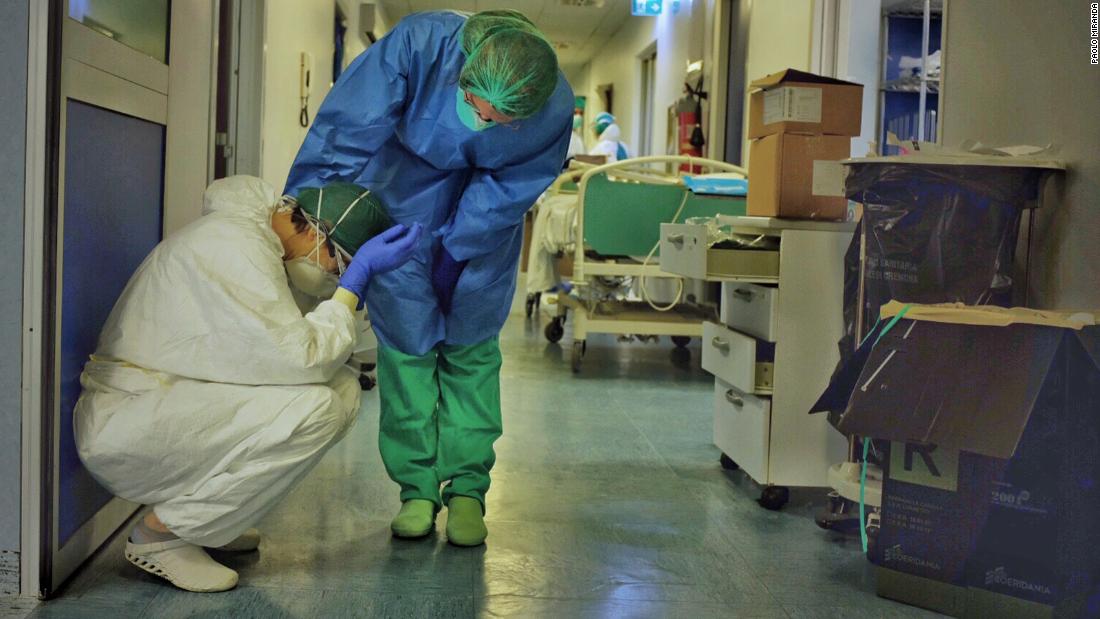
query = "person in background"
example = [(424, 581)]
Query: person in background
[(458, 123), (576, 140), (608, 143), (210, 395)]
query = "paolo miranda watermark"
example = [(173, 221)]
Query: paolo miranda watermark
[(1094, 32)]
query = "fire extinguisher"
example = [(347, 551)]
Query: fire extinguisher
[(690, 134)]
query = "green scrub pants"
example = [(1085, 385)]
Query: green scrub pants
[(440, 415)]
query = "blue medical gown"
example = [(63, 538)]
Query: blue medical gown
[(389, 124)]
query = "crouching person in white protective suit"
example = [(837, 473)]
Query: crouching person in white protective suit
[(210, 394)]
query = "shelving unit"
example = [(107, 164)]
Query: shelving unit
[(909, 95), (774, 346)]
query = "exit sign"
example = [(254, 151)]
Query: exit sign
[(646, 7)]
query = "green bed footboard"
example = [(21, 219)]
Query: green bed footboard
[(624, 218)]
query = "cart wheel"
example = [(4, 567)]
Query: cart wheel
[(774, 498), (555, 330), (681, 341), (578, 355), (872, 539), (837, 516), (366, 382), (728, 463)]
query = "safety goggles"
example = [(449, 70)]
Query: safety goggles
[(468, 98)]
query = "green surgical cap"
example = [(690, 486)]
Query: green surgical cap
[(603, 121), (509, 63), (351, 215)]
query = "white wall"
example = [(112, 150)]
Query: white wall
[(579, 79), (354, 42), (858, 60), (679, 36), (292, 27), (1017, 71), (780, 37)]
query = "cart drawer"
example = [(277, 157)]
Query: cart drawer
[(742, 428), (734, 358), (751, 309), (684, 251)]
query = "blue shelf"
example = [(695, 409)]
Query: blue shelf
[(900, 91)]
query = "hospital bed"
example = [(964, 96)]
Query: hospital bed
[(619, 209), (552, 235)]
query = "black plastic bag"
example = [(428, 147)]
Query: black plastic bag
[(934, 234)]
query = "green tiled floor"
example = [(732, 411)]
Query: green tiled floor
[(608, 501)]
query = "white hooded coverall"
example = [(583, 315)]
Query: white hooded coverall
[(210, 395), (608, 144)]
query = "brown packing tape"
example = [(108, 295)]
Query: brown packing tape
[(991, 316), (793, 75)]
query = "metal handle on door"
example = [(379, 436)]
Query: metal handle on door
[(676, 239), (733, 398), (720, 344), (744, 295)]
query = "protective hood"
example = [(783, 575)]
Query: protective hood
[(212, 303), (611, 134), (240, 193)]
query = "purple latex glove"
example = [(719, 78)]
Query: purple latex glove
[(445, 273), (383, 253)]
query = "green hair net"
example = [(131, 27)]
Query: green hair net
[(509, 63), (603, 121), (349, 214)]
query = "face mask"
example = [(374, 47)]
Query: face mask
[(578, 122), (308, 276), (468, 114)]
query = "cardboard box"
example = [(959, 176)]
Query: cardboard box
[(793, 101), (785, 169), (933, 505), (992, 483)]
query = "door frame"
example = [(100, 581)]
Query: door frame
[(251, 61), (645, 136), (41, 98), (244, 91)]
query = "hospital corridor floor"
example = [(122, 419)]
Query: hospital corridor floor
[(607, 501)]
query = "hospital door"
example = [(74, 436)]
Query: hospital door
[(110, 126)]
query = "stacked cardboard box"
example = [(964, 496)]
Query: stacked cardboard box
[(801, 124)]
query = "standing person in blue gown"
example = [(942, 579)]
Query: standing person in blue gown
[(457, 123)]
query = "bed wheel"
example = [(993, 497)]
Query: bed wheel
[(555, 330)]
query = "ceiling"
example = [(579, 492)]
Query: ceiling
[(578, 32)]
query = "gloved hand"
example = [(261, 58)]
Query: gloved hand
[(445, 273), (383, 253)]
